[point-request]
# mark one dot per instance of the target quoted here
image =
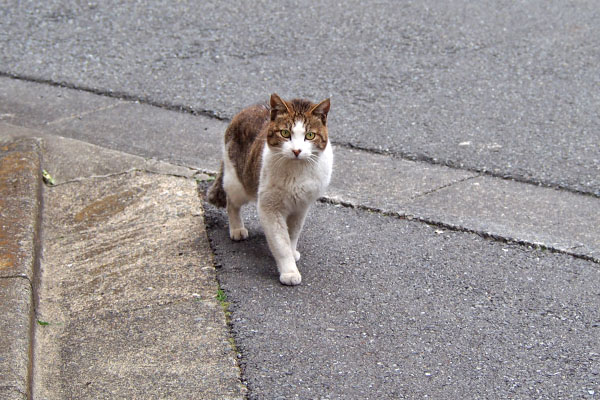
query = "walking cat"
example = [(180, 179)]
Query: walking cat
[(280, 157)]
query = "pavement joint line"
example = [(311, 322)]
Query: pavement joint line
[(86, 113), (131, 170), (450, 164), (228, 312), (126, 97), (445, 186), (455, 228)]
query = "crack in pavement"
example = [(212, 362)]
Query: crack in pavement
[(421, 158), (457, 228), (120, 173), (89, 112), (116, 95), (447, 185)]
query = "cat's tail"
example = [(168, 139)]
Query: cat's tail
[(216, 194)]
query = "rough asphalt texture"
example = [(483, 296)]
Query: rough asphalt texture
[(511, 88), (399, 309)]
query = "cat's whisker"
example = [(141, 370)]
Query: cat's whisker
[(279, 161), (313, 159)]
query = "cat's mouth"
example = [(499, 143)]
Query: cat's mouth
[(299, 157)]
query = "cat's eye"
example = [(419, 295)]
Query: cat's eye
[(285, 133), (310, 136)]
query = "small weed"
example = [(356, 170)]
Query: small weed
[(234, 347), (43, 323), (221, 296)]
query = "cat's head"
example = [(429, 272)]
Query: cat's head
[(298, 128)]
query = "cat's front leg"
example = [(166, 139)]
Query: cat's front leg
[(295, 223), (275, 228)]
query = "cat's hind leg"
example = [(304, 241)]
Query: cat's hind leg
[(237, 231), (236, 198)]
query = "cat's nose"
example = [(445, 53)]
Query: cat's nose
[(297, 152)]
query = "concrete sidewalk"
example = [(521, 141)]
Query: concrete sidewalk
[(108, 289), (556, 219)]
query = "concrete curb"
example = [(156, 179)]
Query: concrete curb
[(107, 214), (20, 206)]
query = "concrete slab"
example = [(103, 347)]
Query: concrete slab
[(15, 319), (155, 352), (384, 182), (33, 104), (69, 159), (553, 218), (11, 394), (128, 294), (20, 194), (180, 138)]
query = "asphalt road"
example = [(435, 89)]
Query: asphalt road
[(386, 311), (507, 87)]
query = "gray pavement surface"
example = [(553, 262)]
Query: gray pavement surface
[(439, 264), (401, 308), (509, 88), (390, 308)]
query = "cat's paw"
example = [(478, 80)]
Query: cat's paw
[(238, 234), (296, 255), (290, 278)]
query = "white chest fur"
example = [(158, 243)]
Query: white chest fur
[(289, 184)]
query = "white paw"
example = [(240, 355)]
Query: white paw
[(238, 234), (296, 255), (290, 278)]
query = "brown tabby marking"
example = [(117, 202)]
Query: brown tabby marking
[(247, 133)]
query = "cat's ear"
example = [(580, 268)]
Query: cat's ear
[(278, 105), (321, 110)]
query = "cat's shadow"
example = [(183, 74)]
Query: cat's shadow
[(251, 257)]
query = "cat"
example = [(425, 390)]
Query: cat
[(279, 156)]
